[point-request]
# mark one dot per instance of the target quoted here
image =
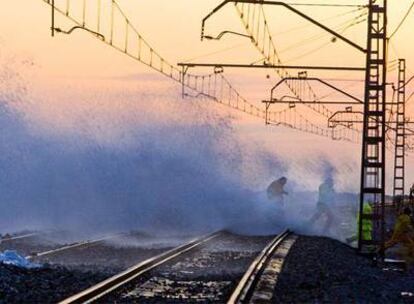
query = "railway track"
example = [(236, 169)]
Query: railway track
[(29, 243), (259, 282), (100, 290), (183, 269), (43, 249)]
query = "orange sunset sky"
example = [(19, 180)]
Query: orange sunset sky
[(81, 65)]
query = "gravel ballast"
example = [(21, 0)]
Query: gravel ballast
[(322, 270), (43, 285)]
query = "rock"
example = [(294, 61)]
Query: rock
[(323, 270)]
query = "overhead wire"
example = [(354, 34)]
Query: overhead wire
[(215, 87), (317, 36), (342, 30), (272, 56), (401, 22), (235, 46), (353, 84), (346, 25), (336, 16), (326, 4), (271, 53), (147, 55)]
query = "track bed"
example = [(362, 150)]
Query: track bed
[(208, 274)]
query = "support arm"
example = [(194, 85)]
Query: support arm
[(287, 6), (359, 101)]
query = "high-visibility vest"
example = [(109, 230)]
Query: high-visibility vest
[(367, 225)]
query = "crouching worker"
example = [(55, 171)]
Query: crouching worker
[(403, 234), (275, 195), (276, 191)]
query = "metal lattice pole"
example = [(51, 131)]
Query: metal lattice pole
[(399, 155), (372, 196)]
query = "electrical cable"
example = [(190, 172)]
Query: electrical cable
[(308, 25), (327, 5), (215, 52), (402, 21)]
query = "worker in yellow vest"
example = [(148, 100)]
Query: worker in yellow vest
[(367, 226), (403, 234)]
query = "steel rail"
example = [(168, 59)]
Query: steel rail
[(95, 292), (18, 237), (251, 277), (71, 246)]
